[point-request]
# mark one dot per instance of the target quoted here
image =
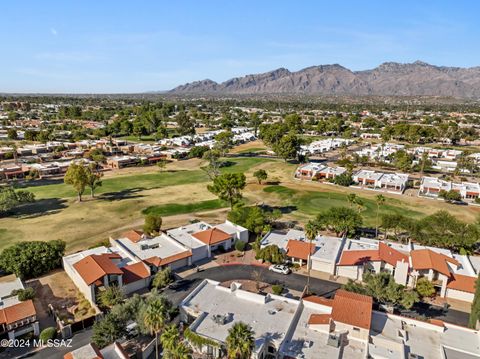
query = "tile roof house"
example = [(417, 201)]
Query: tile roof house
[(91, 351), (214, 238), (299, 251), (16, 317)]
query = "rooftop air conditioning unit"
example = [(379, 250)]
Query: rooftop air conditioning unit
[(334, 341)]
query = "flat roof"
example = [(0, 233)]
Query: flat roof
[(327, 248), (161, 246), (184, 234), (269, 316)]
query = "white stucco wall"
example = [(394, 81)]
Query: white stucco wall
[(458, 294)]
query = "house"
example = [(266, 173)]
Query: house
[(91, 351), (354, 263), (432, 186), (215, 239), (156, 252), (308, 171), (16, 317), (299, 251), (388, 182), (122, 161), (328, 172), (314, 327), (94, 270)]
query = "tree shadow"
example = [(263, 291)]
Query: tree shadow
[(40, 207), (283, 209), (39, 182), (123, 194)]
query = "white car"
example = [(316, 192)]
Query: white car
[(278, 268)]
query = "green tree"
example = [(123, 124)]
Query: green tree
[(240, 341), (111, 296), (379, 200), (12, 134), (450, 196), (311, 232), (271, 254), (185, 124), (341, 220), (475, 310), (77, 177), (9, 198), (108, 330), (424, 287), (32, 259), (163, 278), (260, 175), (213, 167), (153, 224), (93, 178), (228, 187), (351, 199), (287, 147), (224, 142), (155, 316), (162, 164), (344, 179), (170, 337)]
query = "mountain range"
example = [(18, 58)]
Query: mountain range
[(388, 79)]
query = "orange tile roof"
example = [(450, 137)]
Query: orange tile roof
[(436, 322), (158, 262), (428, 259), (390, 255), (300, 249), (133, 235), (17, 312), (95, 266), (352, 308), (319, 319), (134, 272), (462, 282), (319, 300), (212, 236), (357, 257)]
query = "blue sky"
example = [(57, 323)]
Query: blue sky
[(134, 46)]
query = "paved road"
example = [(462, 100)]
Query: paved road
[(224, 273)]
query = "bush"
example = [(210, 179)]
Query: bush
[(153, 224), (424, 287), (345, 180), (48, 334), (24, 294), (240, 245), (271, 254), (277, 289), (163, 278)]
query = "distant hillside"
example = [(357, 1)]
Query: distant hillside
[(388, 79)]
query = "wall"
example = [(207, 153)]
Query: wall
[(458, 294), (137, 285), (321, 266), (352, 272), (86, 290)]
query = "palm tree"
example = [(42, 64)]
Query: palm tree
[(360, 204), (170, 337), (240, 341), (154, 319), (179, 351), (351, 198), (311, 232), (380, 199)]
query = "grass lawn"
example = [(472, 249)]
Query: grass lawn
[(254, 149), (171, 209), (310, 203)]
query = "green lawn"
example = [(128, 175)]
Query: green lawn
[(147, 180), (176, 208), (253, 149), (311, 203)]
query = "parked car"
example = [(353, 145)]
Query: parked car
[(179, 284), (279, 268)]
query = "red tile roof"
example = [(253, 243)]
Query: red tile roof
[(428, 259), (358, 257), (134, 272), (319, 300), (462, 282), (158, 262), (95, 266), (212, 236), (384, 253), (390, 255), (134, 235), (319, 319), (300, 249), (352, 308), (17, 312)]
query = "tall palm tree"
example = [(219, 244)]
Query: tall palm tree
[(179, 351), (311, 232), (380, 200), (240, 341), (155, 317)]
